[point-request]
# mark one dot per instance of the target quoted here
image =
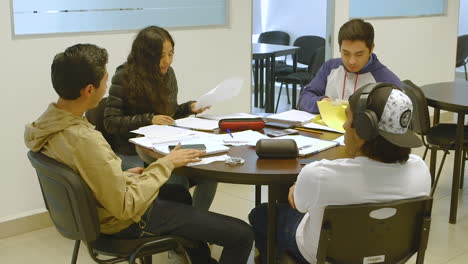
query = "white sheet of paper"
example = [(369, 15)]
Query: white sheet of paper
[(197, 123), (292, 116), (208, 160), (225, 90), (313, 125), (225, 116)]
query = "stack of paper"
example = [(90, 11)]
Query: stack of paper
[(292, 117), (156, 134)]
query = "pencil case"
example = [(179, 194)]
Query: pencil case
[(241, 124), (276, 148)]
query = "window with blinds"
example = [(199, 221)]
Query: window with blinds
[(64, 16)]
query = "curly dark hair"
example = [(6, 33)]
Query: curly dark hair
[(143, 73), (77, 67), (357, 29)]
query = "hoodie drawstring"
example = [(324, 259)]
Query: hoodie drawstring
[(344, 84)]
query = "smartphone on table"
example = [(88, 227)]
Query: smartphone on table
[(189, 146)]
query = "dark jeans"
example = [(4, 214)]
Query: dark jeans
[(288, 220), (172, 214)]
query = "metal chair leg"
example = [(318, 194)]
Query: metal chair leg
[(76, 249), (425, 153), (466, 75), (462, 176), (279, 95), (287, 93), (439, 172)]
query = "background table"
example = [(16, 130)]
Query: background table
[(264, 56), (275, 173), (453, 97)]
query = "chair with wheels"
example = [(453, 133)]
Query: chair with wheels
[(438, 137), (388, 232), (462, 53), (302, 78), (72, 208)]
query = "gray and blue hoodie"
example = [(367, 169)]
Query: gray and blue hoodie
[(335, 82)]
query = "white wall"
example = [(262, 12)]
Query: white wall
[(463, 18), (421, 49), (204, 57), (296, 17)]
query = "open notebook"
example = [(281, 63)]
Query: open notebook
[(309, 145)]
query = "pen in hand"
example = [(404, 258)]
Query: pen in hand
[(229, 132)]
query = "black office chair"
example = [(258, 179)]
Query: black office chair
[(355, 234), (96, 117), (462, 53), (72, 208), (302, 78), (275, 37), (439, 137), (308, 45)]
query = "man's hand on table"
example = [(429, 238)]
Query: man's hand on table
[(181, 157)]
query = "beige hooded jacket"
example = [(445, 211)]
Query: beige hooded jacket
[(123, 197)]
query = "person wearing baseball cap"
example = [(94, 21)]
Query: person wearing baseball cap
[(382, 168)]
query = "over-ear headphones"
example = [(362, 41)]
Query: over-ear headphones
[(365, 120)]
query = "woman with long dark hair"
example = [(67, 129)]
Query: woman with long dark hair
[(144, 92)]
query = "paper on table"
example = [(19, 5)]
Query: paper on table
[(333, 114), (197, 123), (225, 90), (317, 123), (309, 145), (225, 116), (340, 140), (295, 117), (247, 137), (208, 160)]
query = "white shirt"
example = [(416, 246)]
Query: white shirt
[(352, 181)]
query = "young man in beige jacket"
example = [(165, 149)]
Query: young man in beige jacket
[(128, 202)]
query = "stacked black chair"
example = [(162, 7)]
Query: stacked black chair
[(438, 137), (308, 45), (302, 78), (72, 208)]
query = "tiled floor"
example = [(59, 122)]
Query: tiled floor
[(448, 243)]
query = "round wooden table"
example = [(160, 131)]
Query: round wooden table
[(453, 97), (274, 173)]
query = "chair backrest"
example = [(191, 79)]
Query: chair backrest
[(421, 122), (96, 117), (274, 37), (316, 61), (361, 233), (308, 45), (462, 50), (70, 202)]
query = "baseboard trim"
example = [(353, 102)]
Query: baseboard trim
[(24, 224)]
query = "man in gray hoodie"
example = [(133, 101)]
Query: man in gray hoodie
[(339, 78)]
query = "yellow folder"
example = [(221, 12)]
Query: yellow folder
[(333, 113)]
